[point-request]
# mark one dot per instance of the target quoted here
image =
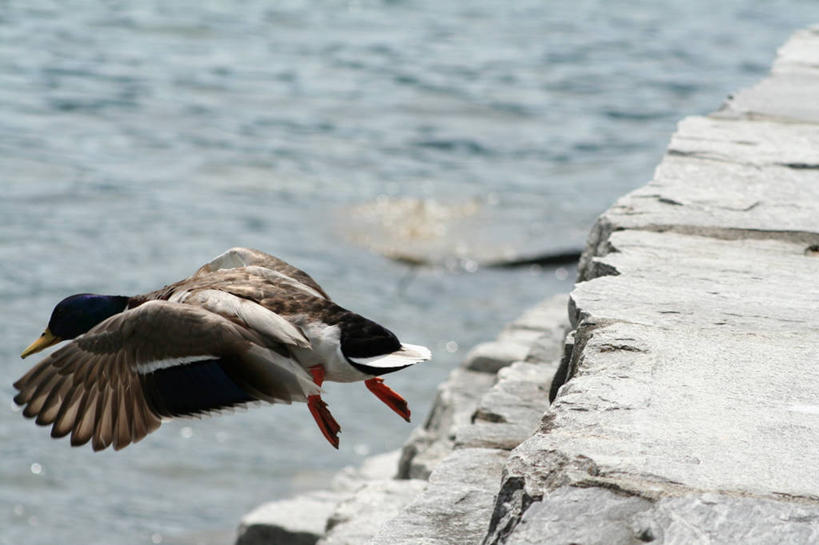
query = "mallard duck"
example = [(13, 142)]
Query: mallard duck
[(246, 327)]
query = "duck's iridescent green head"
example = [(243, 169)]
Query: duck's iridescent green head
[(74, 316)]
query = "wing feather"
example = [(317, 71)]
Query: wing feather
[(64, 422), (104, 429), (94, 387), (122, 432), (84, 427), (51, 408), (249, 313)]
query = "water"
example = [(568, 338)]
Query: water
[(138, 140)]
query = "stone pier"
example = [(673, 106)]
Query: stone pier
[(686, 403)]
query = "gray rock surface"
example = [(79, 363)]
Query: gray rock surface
[(583, 515), (603, 517), (477, 418), (456, 505), (297, 521), (535, 337), (489, 357), (357, 519), (374, 468), (509, 413), (789, 94), (457, 399), (302, 520), (691, 411)]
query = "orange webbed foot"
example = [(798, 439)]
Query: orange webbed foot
[(321, 414), (326, 423), (389, 397)]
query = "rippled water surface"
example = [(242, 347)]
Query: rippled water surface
[(140, 139)]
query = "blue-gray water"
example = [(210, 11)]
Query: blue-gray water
[(140, 139)]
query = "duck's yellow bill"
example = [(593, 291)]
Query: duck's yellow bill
[(43, 341)]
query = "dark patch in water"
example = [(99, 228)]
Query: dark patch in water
[(454, 145), (634, 115)]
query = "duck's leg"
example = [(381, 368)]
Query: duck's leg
[(318, 408), (389, 396)]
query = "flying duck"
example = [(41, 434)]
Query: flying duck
[(246, 327)]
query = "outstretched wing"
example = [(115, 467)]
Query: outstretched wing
[(160, 359)]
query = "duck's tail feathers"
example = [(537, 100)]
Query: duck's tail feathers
[(408, 354)]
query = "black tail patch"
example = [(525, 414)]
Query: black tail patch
[(363, 338), (193, 388)]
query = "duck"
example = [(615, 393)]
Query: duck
[(245, 328)]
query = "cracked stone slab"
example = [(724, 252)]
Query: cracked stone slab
[(759, 287), (720, 199), (700, 357), (713, 199), (716, 518), (757, 143), (603, 517), (456, 505), (694, 369), (726, 179), (581, 515)]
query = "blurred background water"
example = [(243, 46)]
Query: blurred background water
[(140, 139)]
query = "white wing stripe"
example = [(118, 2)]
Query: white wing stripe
[(151, 366)]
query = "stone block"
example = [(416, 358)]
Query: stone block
[(296, 521), (453, 407), (511, 410), (599, 516), (376, 467), (456, 505), (358, 518), (489, 357), (591, 516)]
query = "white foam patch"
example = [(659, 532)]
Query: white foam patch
[(806, 409)]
